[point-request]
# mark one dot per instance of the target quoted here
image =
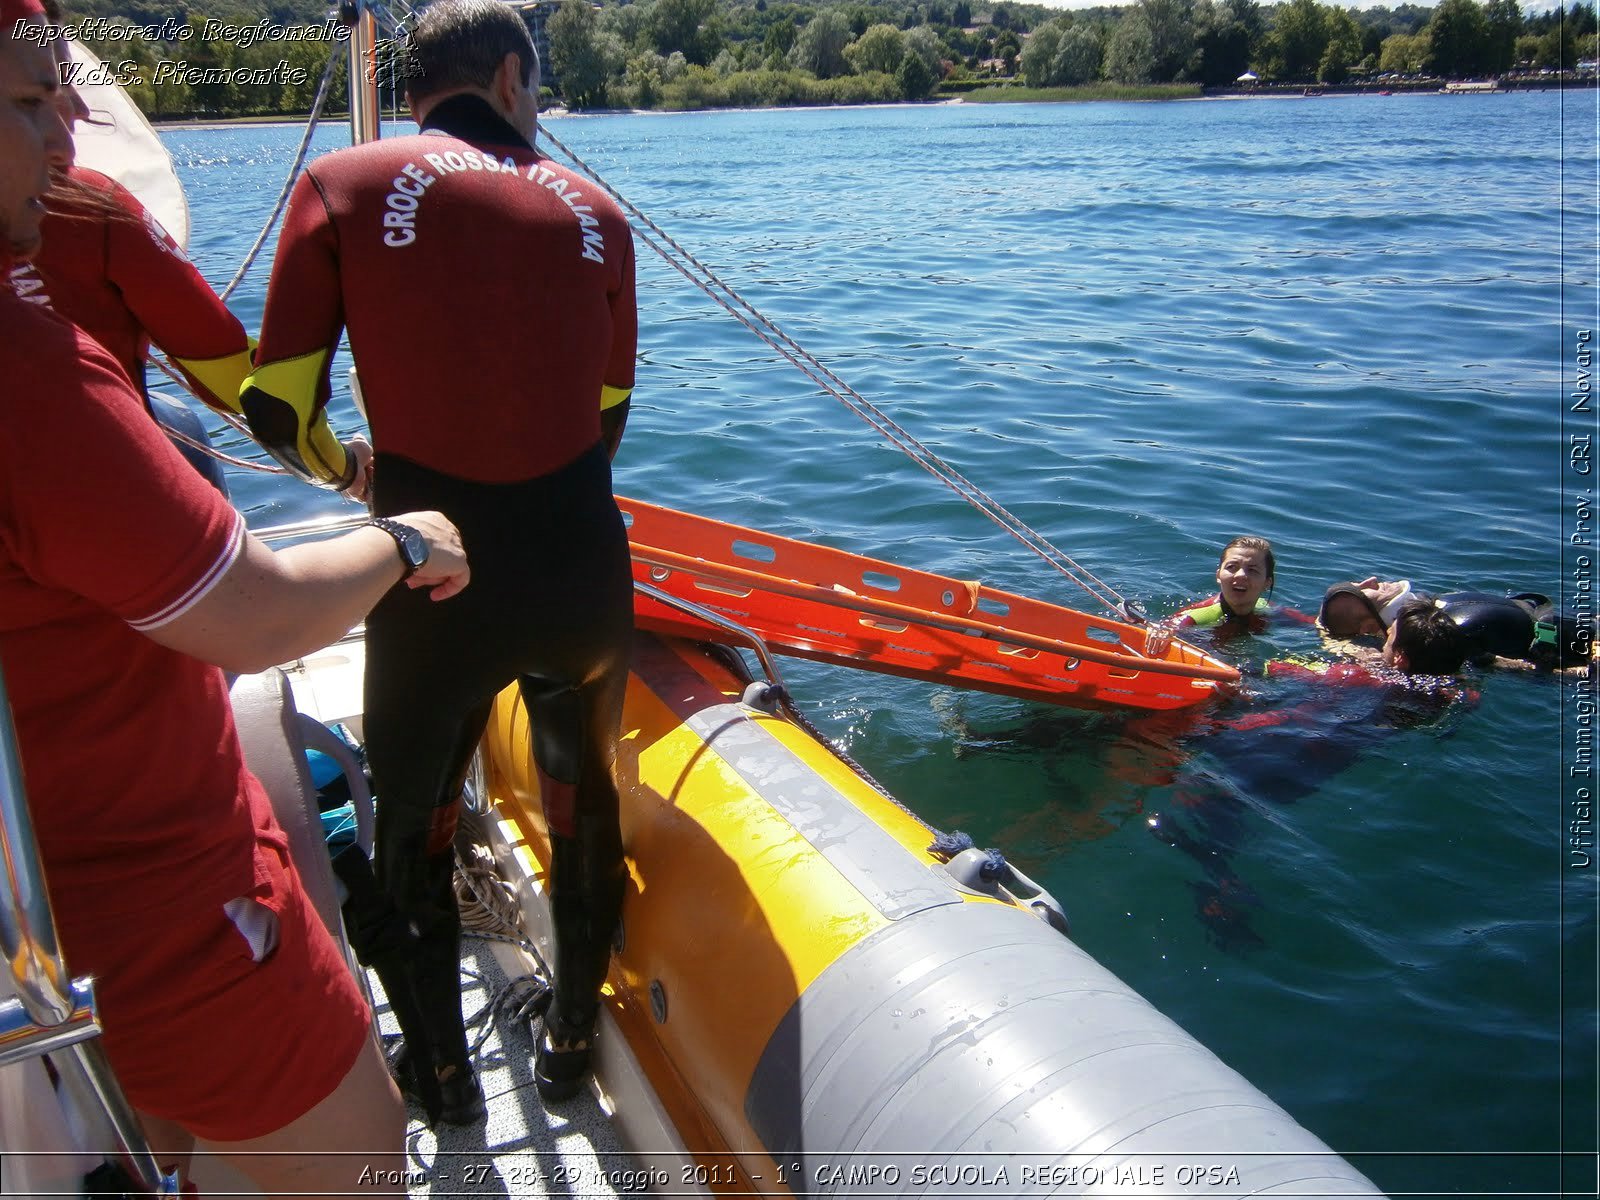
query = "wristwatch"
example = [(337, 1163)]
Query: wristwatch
[(413, 550)]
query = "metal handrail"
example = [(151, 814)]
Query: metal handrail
[(711, 617), (27, 926), (60, 1010)]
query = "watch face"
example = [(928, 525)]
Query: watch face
[(413, 547)]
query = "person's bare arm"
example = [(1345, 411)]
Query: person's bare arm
[(272, 606)]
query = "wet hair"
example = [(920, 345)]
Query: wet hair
[(1254, 543), (1433, 644), (458, 44)]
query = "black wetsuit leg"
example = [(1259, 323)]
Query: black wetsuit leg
[(577, 786), (550, 604)]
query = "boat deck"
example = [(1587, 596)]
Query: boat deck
[(523, 1149)]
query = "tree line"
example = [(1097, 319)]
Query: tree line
[(685, 54)]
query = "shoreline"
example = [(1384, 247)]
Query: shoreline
[(1256, 92)]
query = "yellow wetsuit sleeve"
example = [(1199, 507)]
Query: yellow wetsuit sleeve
[(220, 380), (280, 400), (285, 398)]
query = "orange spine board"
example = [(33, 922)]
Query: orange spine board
[(833, 606)]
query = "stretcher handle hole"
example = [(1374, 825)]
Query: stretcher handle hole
[(884, 583)]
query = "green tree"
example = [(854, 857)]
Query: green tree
[(1171, 25), (915, 81), (679, 25), (1008, 49), (880, 48), (1504, 19), (1458, 39), (1077, 62), (1404, 53), (1299, 37), (780, 38), (1334, 67), (924, 43), (582, 54), (1038, 58), (1130, 56), (630, 22), (1223, 40), (642, 79), (1343, 31), (820, 46), (1558, 49)]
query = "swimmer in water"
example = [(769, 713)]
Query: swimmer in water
[(1246, 573)]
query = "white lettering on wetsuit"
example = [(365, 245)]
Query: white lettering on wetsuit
[(594, 243), (399, 222), (399, 227)]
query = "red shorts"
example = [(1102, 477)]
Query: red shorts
[(228, 1048)]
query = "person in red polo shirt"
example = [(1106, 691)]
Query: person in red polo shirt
[(125, 583)]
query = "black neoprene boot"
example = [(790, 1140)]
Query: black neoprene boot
[(559, 1073)]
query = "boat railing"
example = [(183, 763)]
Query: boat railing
[(759, 695), (52, 1013)]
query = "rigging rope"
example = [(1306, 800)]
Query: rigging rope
[(294, 172), (764, 328)]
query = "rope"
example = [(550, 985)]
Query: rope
[(232, 420), (722, 294), (487, 902), (490, 912), (945, 846), (294, 172)]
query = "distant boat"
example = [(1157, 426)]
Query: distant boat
[(1472, 85)]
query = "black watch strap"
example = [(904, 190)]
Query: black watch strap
[(413, 549)]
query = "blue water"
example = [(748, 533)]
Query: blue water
[(1347, 324)]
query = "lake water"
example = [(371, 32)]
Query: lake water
[(1347, 324)]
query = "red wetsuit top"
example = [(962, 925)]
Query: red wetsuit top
[(109, 267), (146, 819), (489, 296)]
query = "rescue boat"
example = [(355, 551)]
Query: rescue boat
[(807, 996), (812, 992)]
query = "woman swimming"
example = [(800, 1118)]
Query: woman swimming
[(1246, 573)]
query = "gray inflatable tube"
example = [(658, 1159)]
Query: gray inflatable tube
[(969, 1049)]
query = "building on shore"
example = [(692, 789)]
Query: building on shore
[(536, 14)]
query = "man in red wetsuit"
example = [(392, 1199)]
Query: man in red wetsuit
[(489, 297), (121, 581)]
